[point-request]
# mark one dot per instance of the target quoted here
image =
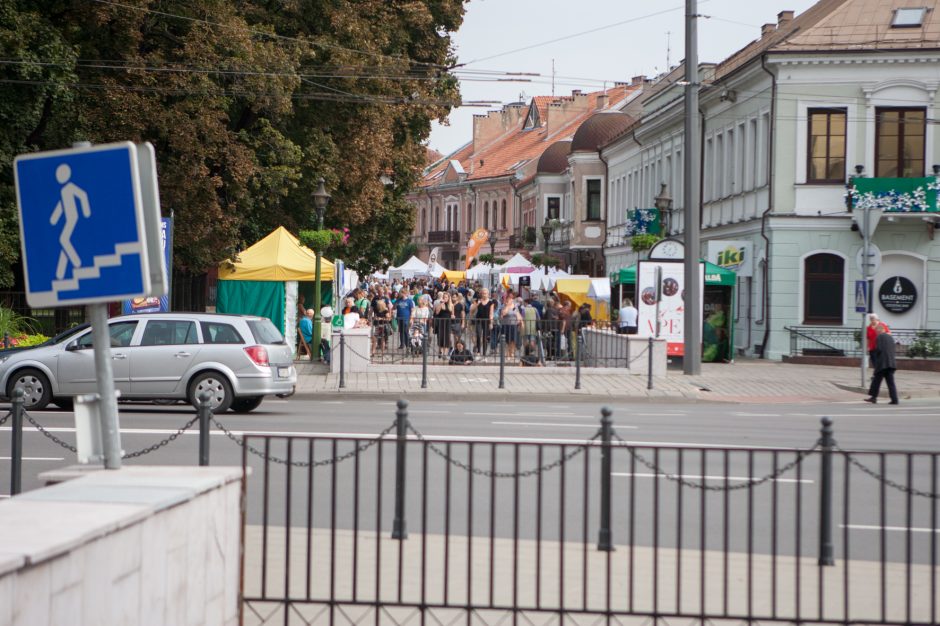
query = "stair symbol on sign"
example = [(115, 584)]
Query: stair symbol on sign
[(101, 260)]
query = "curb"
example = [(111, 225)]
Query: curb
[(907, 394), (499, 395)]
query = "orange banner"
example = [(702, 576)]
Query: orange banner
[(477, 239)]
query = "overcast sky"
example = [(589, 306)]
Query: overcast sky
[(629, 38)]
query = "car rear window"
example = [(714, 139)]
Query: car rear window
[(265, 332), (215, 332)]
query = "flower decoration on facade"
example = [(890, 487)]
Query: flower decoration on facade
[(915, 200)]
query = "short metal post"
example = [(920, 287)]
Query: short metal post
[(342, 360), (399, 525), (502, 361), (424, 361), (603, 536), (16, 452), (577, 360), (204, 409), (6, 340), (826, 442), (649, 365)]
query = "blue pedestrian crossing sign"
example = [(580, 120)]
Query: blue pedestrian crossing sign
[(82, 225), (861, 296)]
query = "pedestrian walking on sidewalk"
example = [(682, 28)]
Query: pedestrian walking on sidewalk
[(871, 333), (884, 364)]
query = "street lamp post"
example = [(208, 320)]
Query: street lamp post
[(321, 198), (663, 203), (493, 240), (546, 233)]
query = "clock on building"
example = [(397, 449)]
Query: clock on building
[(667, 250)]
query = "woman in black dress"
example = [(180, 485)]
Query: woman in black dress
[(443, 315)]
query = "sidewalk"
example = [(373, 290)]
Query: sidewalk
[(748, 380)]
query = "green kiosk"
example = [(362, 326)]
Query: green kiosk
[(719, 300)]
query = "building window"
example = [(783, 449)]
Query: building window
[(495, 223), (899, 142), (826, 157), (486, 216), (594, 199), (502, 215), (908, 18), (424, 221), (437, 218), (554, 208), (823, 279), (469, 218)]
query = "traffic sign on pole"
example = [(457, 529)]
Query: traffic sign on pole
[(81, 225), (861, 296)]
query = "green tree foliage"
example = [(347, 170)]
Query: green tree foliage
[(247, 103)]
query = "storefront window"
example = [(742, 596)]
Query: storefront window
[(823, 280)]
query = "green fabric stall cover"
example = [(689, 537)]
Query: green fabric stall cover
[(252, 297), (307, 287)]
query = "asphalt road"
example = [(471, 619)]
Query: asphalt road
[(698, 443)]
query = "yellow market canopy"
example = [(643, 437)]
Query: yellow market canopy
[(279, 257)]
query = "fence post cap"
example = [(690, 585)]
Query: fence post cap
[(826, 421), (606, 412), (18, 393), (204, 396), (402, 404)]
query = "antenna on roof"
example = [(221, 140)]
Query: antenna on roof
[(553, 78), (668, 34)]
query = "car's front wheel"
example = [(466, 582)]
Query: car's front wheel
[(37, 393), (220, 391), (246, 405)]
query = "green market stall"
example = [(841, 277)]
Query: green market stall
[(718, 299)]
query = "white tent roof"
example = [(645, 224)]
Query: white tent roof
[(414, 264), (478, 271), (436, 270), (516, 261), (600, 289)]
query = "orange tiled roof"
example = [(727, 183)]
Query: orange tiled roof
[(503, 156)]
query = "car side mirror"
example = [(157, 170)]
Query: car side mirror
[(72, 346)]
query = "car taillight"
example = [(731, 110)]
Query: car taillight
[(258, 355)]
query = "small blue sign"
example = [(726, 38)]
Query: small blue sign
[(81, 225), (861, 296), (156, 304)]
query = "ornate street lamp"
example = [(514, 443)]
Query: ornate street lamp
[(493, 240), (321, 198), (663, 202), (546, 233)]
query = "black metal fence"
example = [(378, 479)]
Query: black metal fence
[(847, 342), (535, 343), (404, 528)]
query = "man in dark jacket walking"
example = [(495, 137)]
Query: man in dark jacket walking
[(884, 364)]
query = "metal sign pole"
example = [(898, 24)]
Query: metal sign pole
[(107, 399), (866, 259)]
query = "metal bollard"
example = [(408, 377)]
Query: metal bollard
[(205, 414), (603, 535), (16, 451), (399, 525), (424, 362), (342, 361), (577, 362), (649, 365), (825, 494), (6, 340), (502, 361)]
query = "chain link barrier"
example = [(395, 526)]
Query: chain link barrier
[(47, 434), (157, 446), (5, 417), (240, 441), (491, 474), (884, 479), (800, 457)]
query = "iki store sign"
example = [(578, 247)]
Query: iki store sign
[(736, 256)]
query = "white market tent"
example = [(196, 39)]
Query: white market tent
[(409, 269), (516, 262), (600, 289), (479, 271), (436, 269)]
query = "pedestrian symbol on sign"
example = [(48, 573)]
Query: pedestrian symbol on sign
[(861, 296), (69, 195)]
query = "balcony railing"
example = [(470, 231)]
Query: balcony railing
[(618, 235), (894, 195), (443, 236)]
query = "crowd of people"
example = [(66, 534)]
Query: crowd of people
[(465, 322)]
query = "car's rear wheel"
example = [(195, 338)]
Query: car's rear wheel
[(66, 404), (37, 393), (246, 405), (220, 390)]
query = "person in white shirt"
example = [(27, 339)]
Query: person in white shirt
[(628, 317)]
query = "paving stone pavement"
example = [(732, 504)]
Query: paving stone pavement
[(748, 380)]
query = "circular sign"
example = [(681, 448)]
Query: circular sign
[(897, 294), (874, 260)]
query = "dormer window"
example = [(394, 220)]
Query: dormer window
[(532, 119), (908, 17)]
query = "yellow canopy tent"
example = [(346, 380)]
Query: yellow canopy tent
[(255, 283), (577, 291), (454, 276)]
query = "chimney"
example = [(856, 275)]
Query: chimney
[(784, 18), (575, 92), (767, 29), (638, 80), (602, 101)]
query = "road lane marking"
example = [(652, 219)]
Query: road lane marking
[(35, 458), (901, 529), (739, 414), (555, 424), (707, 477)]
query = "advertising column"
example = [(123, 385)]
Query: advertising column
[(156, 304)]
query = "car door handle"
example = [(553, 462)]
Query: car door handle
[(182, 355), (119, 356)]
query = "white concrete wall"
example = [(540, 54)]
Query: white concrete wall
[(140, 545)]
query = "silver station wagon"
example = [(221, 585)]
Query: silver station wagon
[(239, 359)]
